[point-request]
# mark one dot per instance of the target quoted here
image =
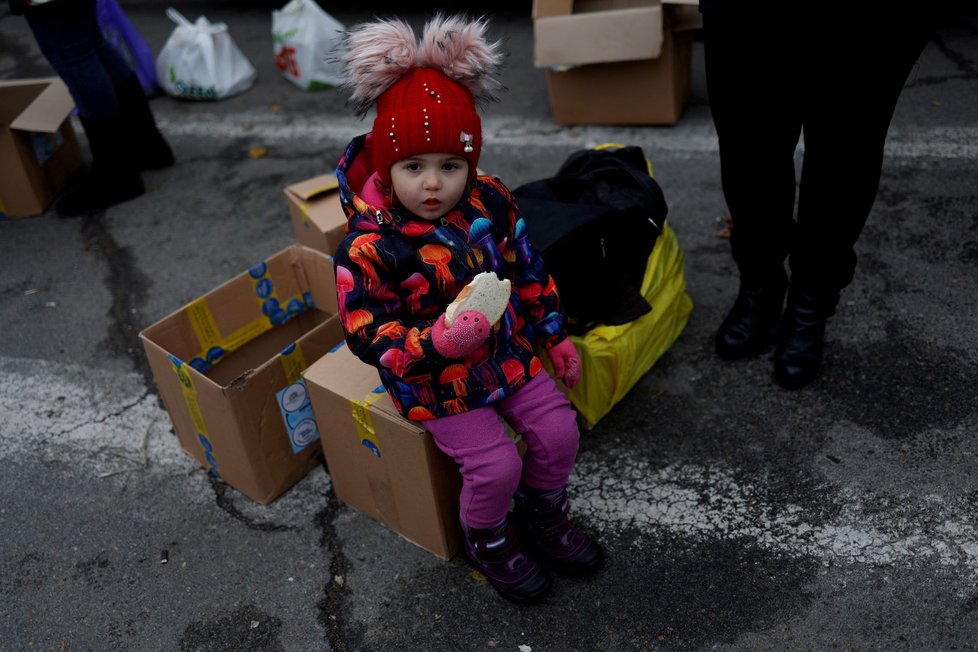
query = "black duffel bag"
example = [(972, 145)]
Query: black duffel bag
[(595, 223)]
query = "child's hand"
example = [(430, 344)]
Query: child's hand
[(469, 331), (566, 362)]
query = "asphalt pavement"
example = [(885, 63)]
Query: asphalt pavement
[(736, 515)]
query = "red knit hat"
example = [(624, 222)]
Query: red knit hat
[(426, 93), (425, 112)]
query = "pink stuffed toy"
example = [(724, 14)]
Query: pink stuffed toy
[(469, 331)]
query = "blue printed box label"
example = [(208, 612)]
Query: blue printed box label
[(300, 422)]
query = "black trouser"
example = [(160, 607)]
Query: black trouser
[(836, 77)]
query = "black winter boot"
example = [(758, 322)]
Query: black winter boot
[(148, 149), (798, 356), (497, 554), (542, 519), (750, 325), (112, 178)]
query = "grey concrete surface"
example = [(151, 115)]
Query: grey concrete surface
[(736, 516)]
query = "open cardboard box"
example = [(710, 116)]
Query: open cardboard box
[(615, 61), (228, 366), (317, 216), (380, 463), (39, 152)]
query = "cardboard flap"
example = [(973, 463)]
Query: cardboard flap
[(48, 110), (546, 8), (312, 188), (347, 376), (16, 95), (344, 374), (630, 34), (318, 270)]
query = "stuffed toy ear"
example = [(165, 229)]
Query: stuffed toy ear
[(377, 55), (458, 47)]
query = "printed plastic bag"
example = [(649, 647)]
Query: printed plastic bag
[(305, 38), (122, 34), (200, 61)]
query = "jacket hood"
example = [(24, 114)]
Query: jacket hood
[(352, 172)]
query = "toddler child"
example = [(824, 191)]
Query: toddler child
[(420, 225)]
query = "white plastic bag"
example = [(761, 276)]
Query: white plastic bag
[(305, 39), (200, 61)]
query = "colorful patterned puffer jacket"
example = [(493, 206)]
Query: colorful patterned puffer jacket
[(396, 273)]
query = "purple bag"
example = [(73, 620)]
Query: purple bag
[(122, 34)]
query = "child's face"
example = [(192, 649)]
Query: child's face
[(429, 185)]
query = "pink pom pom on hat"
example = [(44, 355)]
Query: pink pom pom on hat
[(426, 94)]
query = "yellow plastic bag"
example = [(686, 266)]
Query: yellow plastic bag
[(614, 358)]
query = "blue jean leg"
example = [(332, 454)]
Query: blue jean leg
[(69, 37)]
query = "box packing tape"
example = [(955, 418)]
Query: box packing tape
[(293, 362), (361, 417), (193, 406), (213, 345)]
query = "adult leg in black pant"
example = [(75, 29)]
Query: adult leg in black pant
[(758, 122), (70, 38), (149, 149), (848, 99), (837, 81)]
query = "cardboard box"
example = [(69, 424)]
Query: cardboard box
[(624, 34), (317, 216), (39, 152), (228, 366), (614, 61), (380, 463)]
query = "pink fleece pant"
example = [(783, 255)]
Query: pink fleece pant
[(488, 460)]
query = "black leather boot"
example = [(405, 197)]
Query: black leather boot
[(112, 178), (798, 356), (148, 149), (750, 325)]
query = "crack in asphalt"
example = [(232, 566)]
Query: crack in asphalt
[(332, 603), (224, 501), (128, 286)]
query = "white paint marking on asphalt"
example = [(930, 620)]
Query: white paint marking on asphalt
[(102, 423), (708, 503), (109, 426), (515, 131)]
